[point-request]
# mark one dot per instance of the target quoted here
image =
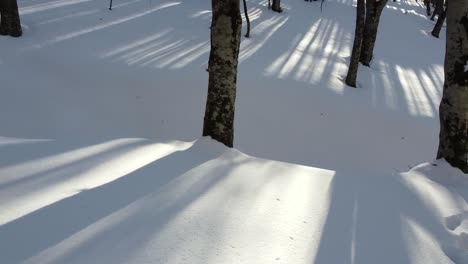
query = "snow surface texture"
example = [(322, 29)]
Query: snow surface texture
[(100, 160)]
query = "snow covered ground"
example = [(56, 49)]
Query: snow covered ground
[(101, 159)]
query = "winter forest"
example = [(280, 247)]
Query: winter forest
[(234, 131)]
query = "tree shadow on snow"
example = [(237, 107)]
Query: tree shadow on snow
[(162, 182), (378, 220)]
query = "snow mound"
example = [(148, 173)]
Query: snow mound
[(444, 189), (199, 202)]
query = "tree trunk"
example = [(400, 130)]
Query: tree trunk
[(439, 8), (358, 32), (438, 26), (225, 40), (10, 21), (247, 35), (276, 6), (427, 3), (453, 110), (373, 12)]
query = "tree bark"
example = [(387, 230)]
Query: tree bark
[(10, 21), (225, 40), (440, 22), (247, 34), (358, 32), (373, 12), (453, 109), (276, 6)]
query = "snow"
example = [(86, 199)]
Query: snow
[(101, 159)]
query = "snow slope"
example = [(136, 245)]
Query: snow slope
[(101, 160)]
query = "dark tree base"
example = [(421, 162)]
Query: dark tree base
[(10, 23), (4, 32), (438, 26), (453, 138), (276, 6)]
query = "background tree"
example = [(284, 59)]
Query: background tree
[(354, 62), (439, 8), (427, 3), (453, 109), (10, 21), (374, 10), (247, 34), (222, 67), (440, 22), (276, 6)]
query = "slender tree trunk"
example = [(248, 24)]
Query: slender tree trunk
[(373, 12), (453, 110), (427, 3), (225, 40), (439, 8), (247, 35), (276, 6), (358, 32), (10, 21), (438, 26)]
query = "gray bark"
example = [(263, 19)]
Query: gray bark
[(10, 21), (222, 67), (373, 12), (354, 62), (453, 109)]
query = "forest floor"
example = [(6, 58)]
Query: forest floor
[(101, 159)]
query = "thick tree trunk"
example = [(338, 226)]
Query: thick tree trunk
[(438, 26), (225, 40), (10, 21), (373, 12), (453, 110), (358, 32), (276, 6), (246, 13)]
